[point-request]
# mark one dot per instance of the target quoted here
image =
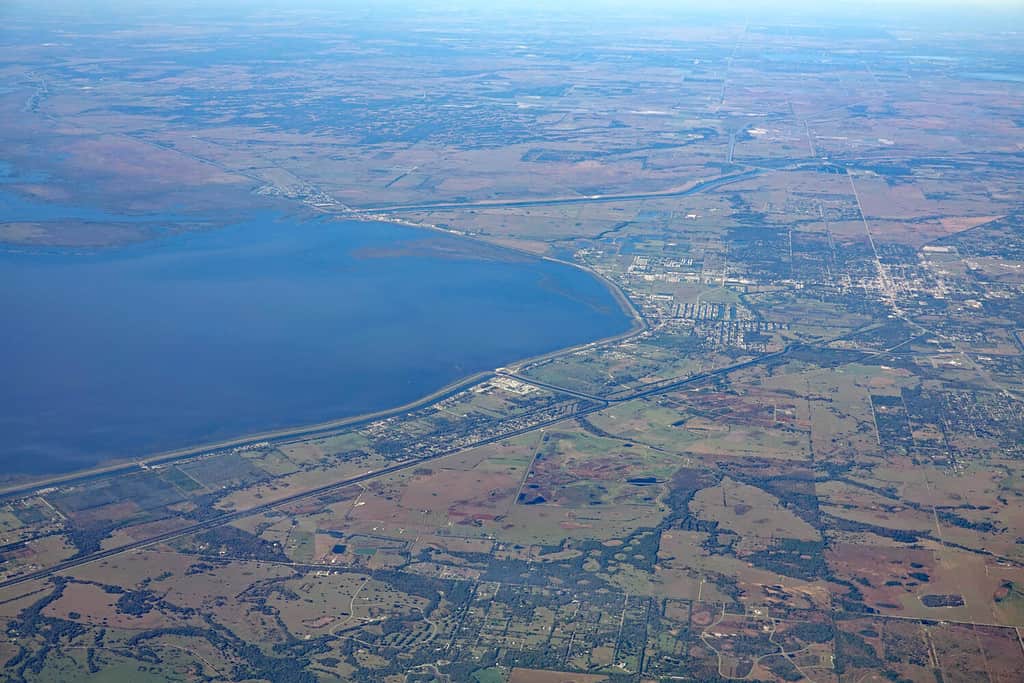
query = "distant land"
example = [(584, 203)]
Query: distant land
[(512, 341)]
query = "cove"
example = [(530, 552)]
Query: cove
[(271, 323)]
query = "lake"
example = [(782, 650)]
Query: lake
[(271, 323)]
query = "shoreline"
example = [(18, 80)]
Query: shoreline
[(237, 443), (637, 325), (251, 440)]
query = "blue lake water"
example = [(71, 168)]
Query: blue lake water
[(267, 324), (1002, 76)]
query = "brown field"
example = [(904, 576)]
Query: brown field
[(821, 230), (921, 650), (750, 511), (540, 676)]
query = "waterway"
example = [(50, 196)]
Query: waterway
[(270, 323)]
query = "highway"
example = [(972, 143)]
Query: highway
[(660, 387), (229, 517), (275, 438), (555, 201)]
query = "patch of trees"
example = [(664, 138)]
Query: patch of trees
[(686, 482), (728, 586), (475, 559), (592, 428), (568, 572), (986, 527), (633, 634), (302, 649), (782, 668), (137, 603), (13, 663), (87, 539), (853, 600), (241, 544), (901, 535), (255, 664), (30, 619), (790, 557), (812, 632), (853, 652), (720, 543), (31, 623), (691, 523), (890, 492), (532, 659), (951, 600), (204, 507), (462, 668)]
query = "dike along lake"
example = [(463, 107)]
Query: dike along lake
[(272, 323)]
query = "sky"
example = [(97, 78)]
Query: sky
[(996, 15)]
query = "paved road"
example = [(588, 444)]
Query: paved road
[(660, 388), (229, 517), (555, 201), (552, 387), (279, 437)]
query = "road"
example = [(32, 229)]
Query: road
[(276, 438), (555, 201), (229, 517), (304, 431), (660, 388)]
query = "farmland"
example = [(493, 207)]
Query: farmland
[(804, 461)]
